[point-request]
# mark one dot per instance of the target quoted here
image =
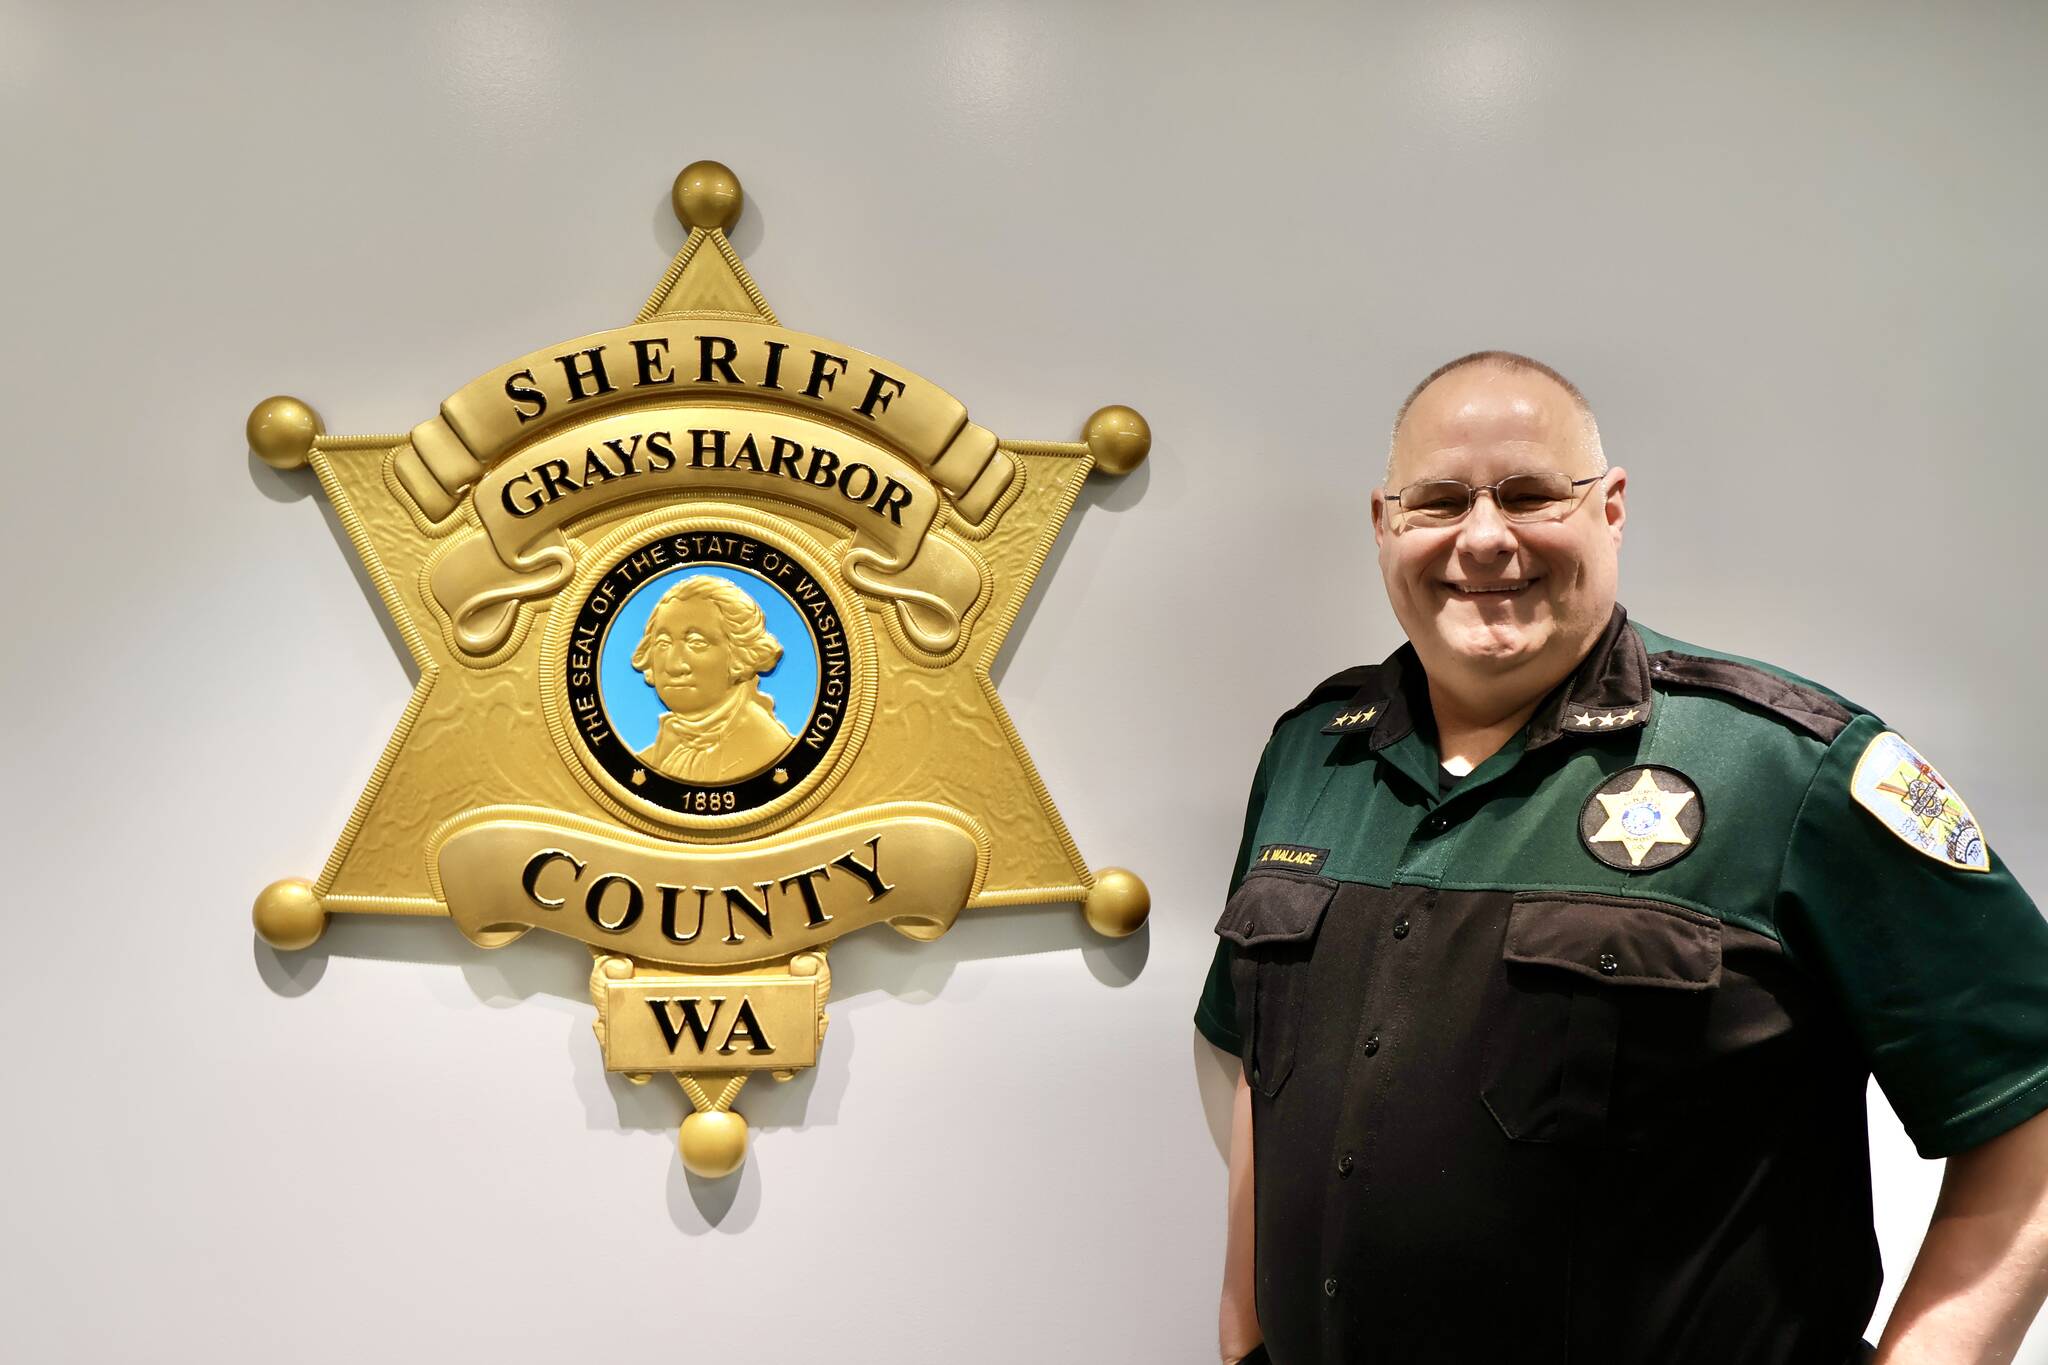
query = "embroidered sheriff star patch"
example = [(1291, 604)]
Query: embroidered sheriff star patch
[(1642, 818), (1911, 800)]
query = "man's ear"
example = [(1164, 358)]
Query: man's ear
[(1379, 516), (1614, 502)]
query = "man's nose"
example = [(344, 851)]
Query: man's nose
[(1485, 533)]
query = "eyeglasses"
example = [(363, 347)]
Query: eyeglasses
[(1520, 497)]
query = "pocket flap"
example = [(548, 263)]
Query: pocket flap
[(1275, 907), (1618, 941)]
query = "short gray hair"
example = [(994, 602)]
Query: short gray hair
[(1507, 362)]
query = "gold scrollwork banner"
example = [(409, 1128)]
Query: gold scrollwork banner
[(524, 501), (504, 870), (673, 361)]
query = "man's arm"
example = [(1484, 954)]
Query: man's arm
[(1982, 1270), (1237, 1325)]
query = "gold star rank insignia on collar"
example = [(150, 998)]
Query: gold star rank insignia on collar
[(1642, 818), (1353, 717), (1580, 719)]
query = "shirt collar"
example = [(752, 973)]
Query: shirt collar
[(1608, 691)]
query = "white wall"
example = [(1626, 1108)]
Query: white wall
[(1795, 260)]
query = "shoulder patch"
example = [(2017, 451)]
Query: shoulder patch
[(1911, 800), (1806, 708), (1336, 687)]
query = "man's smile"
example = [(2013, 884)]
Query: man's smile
[(1507, 587)]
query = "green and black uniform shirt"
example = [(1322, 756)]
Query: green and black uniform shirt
[(1565, 1060)]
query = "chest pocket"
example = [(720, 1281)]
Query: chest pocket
[(1272, 919), (1603, 1017)]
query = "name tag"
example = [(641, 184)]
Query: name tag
[(1292, 856)]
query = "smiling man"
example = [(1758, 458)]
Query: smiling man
[(1559, 954)]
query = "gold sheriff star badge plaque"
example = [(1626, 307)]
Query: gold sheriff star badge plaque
[(703, 610)]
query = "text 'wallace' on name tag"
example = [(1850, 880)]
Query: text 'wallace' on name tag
[(1292, 857)]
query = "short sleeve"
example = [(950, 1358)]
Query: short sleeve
[(1937, 956), (1216, 1012)]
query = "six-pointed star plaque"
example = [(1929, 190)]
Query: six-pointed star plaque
[(703, 610)]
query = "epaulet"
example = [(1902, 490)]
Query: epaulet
[(1336, 687), (1807, 708)]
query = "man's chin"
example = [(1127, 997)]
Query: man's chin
[(1494, 646)]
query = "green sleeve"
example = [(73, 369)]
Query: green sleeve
[(1941, 970), (1216, 1012)]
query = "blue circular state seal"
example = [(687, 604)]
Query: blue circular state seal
[(707, 672)]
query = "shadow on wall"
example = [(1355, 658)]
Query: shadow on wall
[(874, 963), (1216, 1073)]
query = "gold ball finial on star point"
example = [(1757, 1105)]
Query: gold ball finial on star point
[(1117, 904), (288, 915), (1118, 438), (707, 195), (713, 1143), (282, 431)]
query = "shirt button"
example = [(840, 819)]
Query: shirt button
[(1372, 1046), (1609, 964), (1344, 1164), (1400, 928), (1434, 825), (1330, 1288)]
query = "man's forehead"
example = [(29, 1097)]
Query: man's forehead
[(1512, 455), (1482, 402), (1481, 411)]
